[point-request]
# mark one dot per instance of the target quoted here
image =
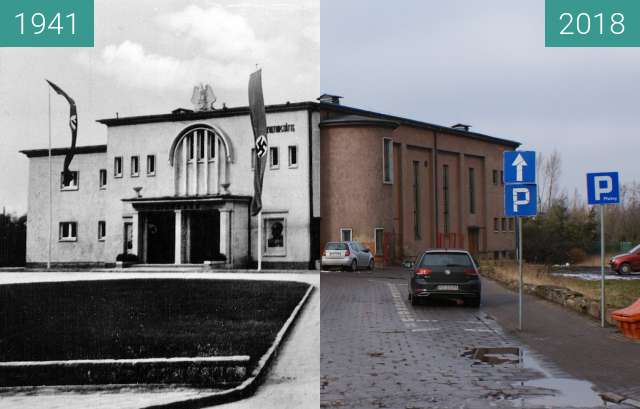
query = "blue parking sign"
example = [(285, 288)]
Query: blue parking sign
[(521, 200), (519, 167), (603, 188)]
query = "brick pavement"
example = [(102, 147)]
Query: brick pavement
[(377, 351)]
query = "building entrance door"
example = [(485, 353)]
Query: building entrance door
[(160, 237), (474, 240), (204, 237)]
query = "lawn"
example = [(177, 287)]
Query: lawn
[(619, 293), (142, 318)]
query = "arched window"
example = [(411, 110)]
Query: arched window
[(200, 155)]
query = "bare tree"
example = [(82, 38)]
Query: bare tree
[(550, 169)]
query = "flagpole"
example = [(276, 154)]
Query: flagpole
[(50, 188), (260, 240)]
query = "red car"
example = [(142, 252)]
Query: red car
[(626, 263)]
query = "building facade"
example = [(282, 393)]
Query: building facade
[(176, 188)]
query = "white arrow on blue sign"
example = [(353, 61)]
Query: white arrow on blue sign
[(603, 188), (521, 200), (519, 167)]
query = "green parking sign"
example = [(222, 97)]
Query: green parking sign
[(46, 23)]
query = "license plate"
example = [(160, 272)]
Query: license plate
[(448, 287), (335, 253)]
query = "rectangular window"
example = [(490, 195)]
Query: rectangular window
[(345, 234), (511, 223), (68, 231), (201, 151), (275, 231), (135, 166), (496, 224), (190, 146), (445, 189), (117, 167), (212, 145), (502, 177), (274, 158), (151, 165), (416, 200), (103, 178), (472, 190), (495, 177), (504, 224), (293, 156), (387, 160), (72, 183), (102, 230), (379, 235)]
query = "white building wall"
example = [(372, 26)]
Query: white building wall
[(84, 206)]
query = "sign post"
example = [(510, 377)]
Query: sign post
[(520, 200), (602, 189)]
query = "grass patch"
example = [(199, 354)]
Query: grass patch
[(143, 318), (619, 293)]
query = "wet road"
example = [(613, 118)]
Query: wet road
[(377, 351)]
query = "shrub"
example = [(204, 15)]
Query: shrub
[(127, 258), (577, 255)]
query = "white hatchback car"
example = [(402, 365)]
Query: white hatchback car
[(350, 255)]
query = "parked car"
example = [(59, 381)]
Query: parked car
[(626, 263), (446, 274), (347, 255)]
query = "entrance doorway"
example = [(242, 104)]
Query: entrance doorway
[(474, 240), (204, 237), (160, 237)]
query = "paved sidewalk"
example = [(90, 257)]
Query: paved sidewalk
[(575, 342), (292, 380)]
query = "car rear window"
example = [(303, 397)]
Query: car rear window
[(336, 246), (446, 259)]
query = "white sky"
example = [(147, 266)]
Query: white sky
[(484, 63), (148, 55)]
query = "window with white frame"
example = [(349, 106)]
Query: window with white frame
[(212, 145), (346, 234), (496, 224), (293, 156), (102, 230), (117, 167), (103, 178), (274, 158), (190, 150), (135, 166), (151, 165), (378, 238), (68, 231), (387, 160), (201, 152), (253, 158), (72, 181)]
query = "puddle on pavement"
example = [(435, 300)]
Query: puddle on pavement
[(546, 392)]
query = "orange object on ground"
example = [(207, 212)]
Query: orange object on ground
[(628, 320)]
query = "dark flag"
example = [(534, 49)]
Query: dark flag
[(259, 123), (73, 124)]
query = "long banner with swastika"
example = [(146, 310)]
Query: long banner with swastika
[(259, 123)]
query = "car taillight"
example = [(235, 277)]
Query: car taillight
[(423, 271), (347, 253), (470, 272), (326, 253)]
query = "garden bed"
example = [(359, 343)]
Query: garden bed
[(156, 330)]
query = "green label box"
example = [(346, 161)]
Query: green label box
[(46, 23), (592, 23)]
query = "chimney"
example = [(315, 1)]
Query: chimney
[(329, 99), (461, 127)]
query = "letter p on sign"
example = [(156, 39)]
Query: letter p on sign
[(603, 188), (521, 197)]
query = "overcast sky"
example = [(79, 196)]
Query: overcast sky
[(148, 55), (485, 64)]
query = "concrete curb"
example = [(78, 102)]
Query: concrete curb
[(251, 384), (559, 295)]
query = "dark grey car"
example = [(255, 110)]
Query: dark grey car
[(445, 273)]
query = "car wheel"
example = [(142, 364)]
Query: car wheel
[(414, 300), (354, 265), (371, 265), (625, 268), (472, 302)]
